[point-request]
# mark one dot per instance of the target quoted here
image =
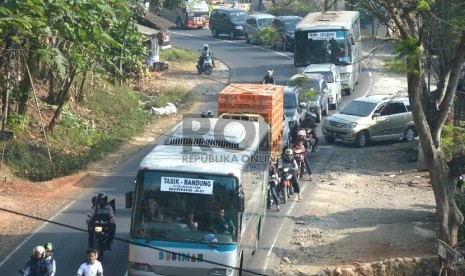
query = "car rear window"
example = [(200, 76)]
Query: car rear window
[(290, 100), (264, 22), (238, 16)]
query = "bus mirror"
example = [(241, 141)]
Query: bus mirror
[(240, 200), (240, 203), (129, 196)]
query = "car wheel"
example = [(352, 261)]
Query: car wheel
[(409, 134), (330, 139), (232, 35), (247, 39), (214, 32), (361, 140), (179, 24), (347, 91), (334, 106)]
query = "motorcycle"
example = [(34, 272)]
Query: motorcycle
[(298, 156), (207, 66), (273, 182), (285, 186), (208, 114), (101, 240)]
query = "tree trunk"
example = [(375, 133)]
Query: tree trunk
[(448, 214), (61, 101)]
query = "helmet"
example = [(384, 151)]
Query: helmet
[(48, 246), (104, 197), (309, 131), (204, 115), (205, 46), (288, 153), (210, 114), (38, 249), (301, 133)]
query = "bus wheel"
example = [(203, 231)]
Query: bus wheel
[(179, 24)]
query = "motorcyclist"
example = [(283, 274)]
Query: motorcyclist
[(48, 258), (204, 53), (312, 138), (309, 120), (208, 114), (103, 211), (273, 182), (287, 160), (305, 147), (36, 266)]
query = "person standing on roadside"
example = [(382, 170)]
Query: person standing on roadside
[(269, 77), (92, 267)]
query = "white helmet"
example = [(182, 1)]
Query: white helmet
[(205, 46), (38, 249)]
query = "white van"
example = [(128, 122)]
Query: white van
[(333, 79)]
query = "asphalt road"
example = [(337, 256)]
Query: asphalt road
[(247, 63)]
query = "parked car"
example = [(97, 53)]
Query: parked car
[(378, 117), (254, 24), (312, 92), (333, 79), (285, 26), (228, 21)]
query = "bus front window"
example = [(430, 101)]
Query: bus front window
[(167, 209), (322, 47)]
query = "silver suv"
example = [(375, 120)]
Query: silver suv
[(378, 117)]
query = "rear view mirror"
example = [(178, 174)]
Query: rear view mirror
[(129, 197), (240, 200)]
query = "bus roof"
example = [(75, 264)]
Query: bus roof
[(328, 20), (209, 148)]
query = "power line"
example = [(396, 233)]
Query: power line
[(129, 242)]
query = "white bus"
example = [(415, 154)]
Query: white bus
[(330, 37), (206, 166)]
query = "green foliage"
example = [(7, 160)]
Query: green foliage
[(424, 5), (408, 50), (294, 7), (396, 65), (178, 54), (453, 141), (76, 141), (268, 36)]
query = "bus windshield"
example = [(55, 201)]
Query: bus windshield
[(322, 46), (185, 207)]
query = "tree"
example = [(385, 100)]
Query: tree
[(416, 21)]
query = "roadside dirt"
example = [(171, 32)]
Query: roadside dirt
[(371, 204)]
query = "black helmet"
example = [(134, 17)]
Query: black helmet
[(104, 197), (204, 115), (94, 200), (288, 153), (210, 114)]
